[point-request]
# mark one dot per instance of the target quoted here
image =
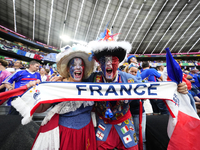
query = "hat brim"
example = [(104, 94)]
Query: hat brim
[(63, 62), (111, 48)]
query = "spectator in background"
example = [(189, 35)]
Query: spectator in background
[(153, 76), (134, 108), (3, 73), (47, 74), (43, 75), (21, 78), (17, 65)]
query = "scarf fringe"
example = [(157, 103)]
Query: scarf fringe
[(23, 108)]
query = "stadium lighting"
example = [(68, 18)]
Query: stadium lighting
[(68, 39)]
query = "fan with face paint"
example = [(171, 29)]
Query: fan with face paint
[(109, 65), (76, 69)]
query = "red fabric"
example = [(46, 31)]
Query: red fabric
[(125, 117), (29, 79), (113, 140), (15, 92), (53, 123), (186, 133), (82, 139), (188, 83), (140, 127)]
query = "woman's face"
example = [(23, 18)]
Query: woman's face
[(76, 69)]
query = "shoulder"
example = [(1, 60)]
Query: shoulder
[(126, 77), (92, 76)]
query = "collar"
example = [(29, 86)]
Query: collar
[(30, 71)]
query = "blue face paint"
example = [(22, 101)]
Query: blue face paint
[(109, 65), (76, 69)]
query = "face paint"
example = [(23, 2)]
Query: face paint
[(109, 65), (76, 69)]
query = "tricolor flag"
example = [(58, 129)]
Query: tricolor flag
[(184, 123), (124, 129), (127, 139), (101, 127)]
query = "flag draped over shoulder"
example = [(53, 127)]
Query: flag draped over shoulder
[(184, 126), (53, 92)]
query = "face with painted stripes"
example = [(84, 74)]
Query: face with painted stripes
[(76, 69), (109, 65)]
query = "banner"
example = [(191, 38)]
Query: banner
[(52, 92)]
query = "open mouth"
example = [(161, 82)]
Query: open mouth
[(78, 74), (109, 71)]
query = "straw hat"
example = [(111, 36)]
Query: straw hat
[(68, 53)]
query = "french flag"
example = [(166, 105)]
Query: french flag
[(184, 123)]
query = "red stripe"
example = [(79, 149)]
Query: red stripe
[(5, 95), (170, 111), (84, 99), (140, 126), (100, 127), (126, 128), (28, 79)]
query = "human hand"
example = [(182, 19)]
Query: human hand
[(182, 88), (56, 78), (32, 83)]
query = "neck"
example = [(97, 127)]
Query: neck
[(145, 68), (2, 68), (29, 69)]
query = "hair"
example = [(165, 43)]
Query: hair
[(145, 64), (3, 62), (33, 62), (47, 70)]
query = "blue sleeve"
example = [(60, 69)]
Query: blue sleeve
[(156, 73), (14, 77)]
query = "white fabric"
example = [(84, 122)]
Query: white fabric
[(147, 107), (51, 92), (48, 140)]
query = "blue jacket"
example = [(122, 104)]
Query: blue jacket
[(124, 129)]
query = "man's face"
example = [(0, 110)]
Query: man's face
[(109, 65), (34, 67), (76, 69), (17, 64), (133, 60)]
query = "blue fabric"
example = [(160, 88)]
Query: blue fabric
[(76, 119), (134, 107), (119, 110), (151, 73), (118, 128), (136, 125), (173, 69), (19, 75), (192, 102)]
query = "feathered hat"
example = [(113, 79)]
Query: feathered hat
[(67, 53), (106, 45)]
